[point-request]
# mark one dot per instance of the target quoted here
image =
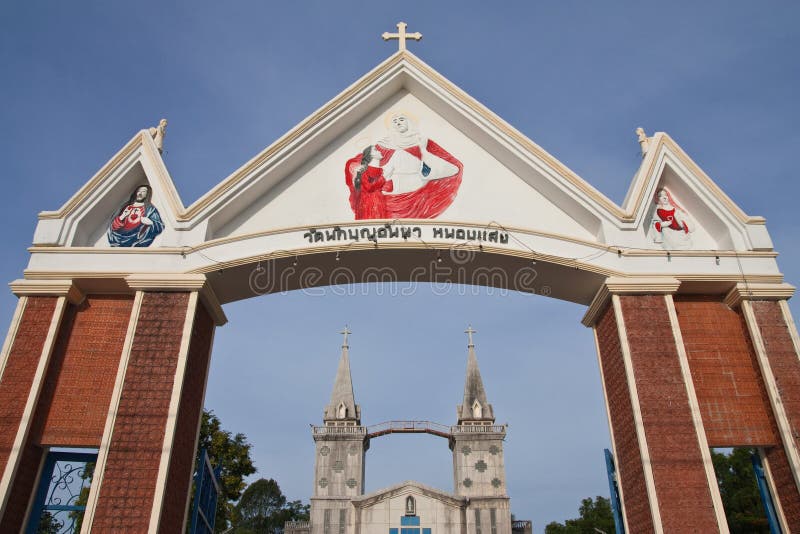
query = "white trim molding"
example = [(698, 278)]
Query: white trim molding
[(697, 418), (614, 285), (48, 288), (757, 291), (30, 405), (12, 333), (180, 282), (784, 428), (611, 431), (111, 418), (172, 415), (644, 450)]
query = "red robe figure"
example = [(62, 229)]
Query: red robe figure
[(425, 176), (368, 187)]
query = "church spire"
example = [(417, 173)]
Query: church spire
[(343, 405), (475, 408)]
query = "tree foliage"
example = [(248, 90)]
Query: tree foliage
[(263, 509), (594, 514), (231, 453), (740, 498)]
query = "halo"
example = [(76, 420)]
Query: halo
[(387, 119)]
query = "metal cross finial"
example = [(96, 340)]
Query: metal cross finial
[(401, 35), (469, 331), (346, 331)]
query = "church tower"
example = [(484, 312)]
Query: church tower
[(340, 447), (477, 443)]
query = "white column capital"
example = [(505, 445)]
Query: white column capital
[(180, 282), (758, 291), (48, 288), (617, 285)]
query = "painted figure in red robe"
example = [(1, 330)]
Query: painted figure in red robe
[(670, 223), (425, 176), (369, 186)]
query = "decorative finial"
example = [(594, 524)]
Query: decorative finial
[(644, 141), (401, 35), (346, 331), (158, 133), (469, 331)]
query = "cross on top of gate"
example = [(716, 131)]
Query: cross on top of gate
[(401, 35)]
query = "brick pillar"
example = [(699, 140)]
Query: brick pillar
[(144, 466), (777, 349), (23, 365), (666, 477)]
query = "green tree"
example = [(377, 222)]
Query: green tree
[(48, 524), (263, 509), (231, 453), (594, 514), (737, 486)]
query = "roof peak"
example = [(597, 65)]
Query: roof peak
[(475, 406), (342, 406)]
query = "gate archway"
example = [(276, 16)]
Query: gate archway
[(676, 274)]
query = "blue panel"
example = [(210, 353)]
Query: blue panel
[(409, 521), (426, 531), (616, 505), (392, 531), (766, 497)]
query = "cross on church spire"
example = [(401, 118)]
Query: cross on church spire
[(469, 331), (401, 35), (346, 331)]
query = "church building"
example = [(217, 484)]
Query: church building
[(479, 503)]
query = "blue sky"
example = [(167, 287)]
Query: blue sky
[(79, 79)]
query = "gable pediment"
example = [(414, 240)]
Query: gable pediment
[(399, 493), (488, 180)]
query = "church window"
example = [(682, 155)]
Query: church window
[(323, 482), (325, 450), (411, 506), (496, 482), (341, 411), (493, 520), (351, 483), (477, 521), (467, 482), (338, 466), (465, 450), (481, 466), (353, 450), (342, 520), (326, 522), (494, 450)]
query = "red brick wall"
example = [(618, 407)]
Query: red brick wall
[(628, 459), (785, 486), (782, 358), (82, 372), (786, 369), (129, 484), (678, 470), (733, 401), (21, 367), (182, 461), (15, 384)]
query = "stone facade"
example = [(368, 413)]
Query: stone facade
[(338, 505)]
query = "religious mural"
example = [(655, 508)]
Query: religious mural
[(402, 175), (137, 222), (670, 224)]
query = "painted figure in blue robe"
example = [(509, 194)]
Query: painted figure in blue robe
[(137, 222)]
